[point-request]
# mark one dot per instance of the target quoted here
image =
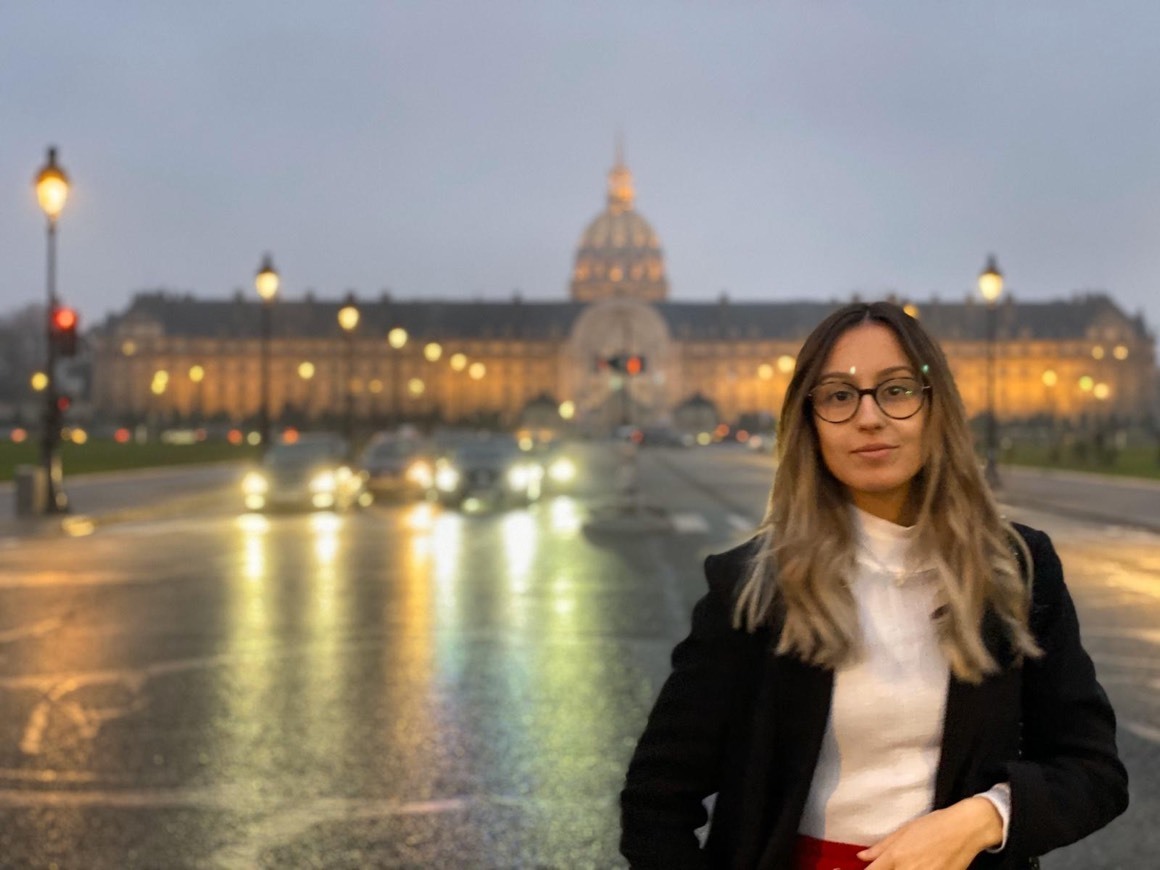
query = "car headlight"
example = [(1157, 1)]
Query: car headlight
[(562, 470), (519, 477), (324, 481), (419, 473), (447, 478), (255, 483)]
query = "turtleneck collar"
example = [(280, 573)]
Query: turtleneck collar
[(884, 546)]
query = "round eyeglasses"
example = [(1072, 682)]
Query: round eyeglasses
[(899, 398)]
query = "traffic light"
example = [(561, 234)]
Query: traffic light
[(64, 330), (627, 363)]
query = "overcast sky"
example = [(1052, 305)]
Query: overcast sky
[(443, 149)]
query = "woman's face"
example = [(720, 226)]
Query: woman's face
[(873, 455)]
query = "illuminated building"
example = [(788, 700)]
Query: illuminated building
[(496, 361)]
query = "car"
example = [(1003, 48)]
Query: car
[(397, 466), (310, 471), (492, 470)]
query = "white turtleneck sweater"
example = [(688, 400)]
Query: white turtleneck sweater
[(880, 751)]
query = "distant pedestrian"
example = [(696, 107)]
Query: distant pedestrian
[(889, 674)]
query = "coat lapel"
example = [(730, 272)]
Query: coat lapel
[(963, 718), (798, 698)]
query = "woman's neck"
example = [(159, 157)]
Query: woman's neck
[(892, 506)]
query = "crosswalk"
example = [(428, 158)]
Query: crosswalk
[(697, 523)]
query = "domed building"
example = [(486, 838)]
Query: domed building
[(509, 363), (619, 255)]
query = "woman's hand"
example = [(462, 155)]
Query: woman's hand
[(941, 840)]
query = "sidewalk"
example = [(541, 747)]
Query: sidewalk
[(124, 496), (1101, 498)]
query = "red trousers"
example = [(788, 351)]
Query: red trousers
[(811, 854)]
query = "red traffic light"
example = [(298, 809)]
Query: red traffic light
[(633, 365), (64, 330), (64, 319)]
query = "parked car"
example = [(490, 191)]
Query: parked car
[(398, 466), (308, 472), (493, 470)]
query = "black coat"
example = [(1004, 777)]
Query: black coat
[(736, 720)]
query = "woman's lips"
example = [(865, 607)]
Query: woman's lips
[(874, 451)]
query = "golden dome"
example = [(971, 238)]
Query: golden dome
[(619, 254)]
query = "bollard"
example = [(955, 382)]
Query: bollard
[(31, 488)]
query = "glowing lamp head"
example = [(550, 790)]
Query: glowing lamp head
[(52, 187), (266, 281), (991, 280), (348, 315)]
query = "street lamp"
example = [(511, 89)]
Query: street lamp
[(197, 376), (397, 338), (1050, 378), (348, 317), (306, 376), (51, 192), (266, 283), (990, 288)]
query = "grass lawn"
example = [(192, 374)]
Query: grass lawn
[(1138, 461), (111, 456)]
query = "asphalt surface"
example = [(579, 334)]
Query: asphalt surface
[(186, 685)]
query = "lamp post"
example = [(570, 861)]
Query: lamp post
[(1050, 379), (51, 192), (197, 377), (397, 339), (306, 376), (433, 352), (991, 287), (266, 283), (348, 317)]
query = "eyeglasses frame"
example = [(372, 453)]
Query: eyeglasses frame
[(873, 393)]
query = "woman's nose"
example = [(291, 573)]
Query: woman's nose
[(868, 413)]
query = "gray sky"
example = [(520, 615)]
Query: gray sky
[(781, 150)]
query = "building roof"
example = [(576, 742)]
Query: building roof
[(723, 320)]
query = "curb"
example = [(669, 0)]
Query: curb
[(1145, 483), (80, 525)]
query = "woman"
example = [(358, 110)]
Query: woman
[(889, 675)]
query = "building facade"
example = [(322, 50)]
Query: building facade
[(174, 357)]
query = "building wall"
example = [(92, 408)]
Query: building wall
[(1108, 371)]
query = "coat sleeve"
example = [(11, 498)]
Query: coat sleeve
[(677, 761), (1069, 781)]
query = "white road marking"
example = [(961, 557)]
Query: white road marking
[(687, 524), (1148, 732), (741, 523)]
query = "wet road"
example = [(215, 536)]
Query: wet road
[(411, 687)]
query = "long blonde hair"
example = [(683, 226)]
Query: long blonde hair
[(807, 540)]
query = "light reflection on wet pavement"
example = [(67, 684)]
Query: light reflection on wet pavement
[(407, 686), (404, 686)]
